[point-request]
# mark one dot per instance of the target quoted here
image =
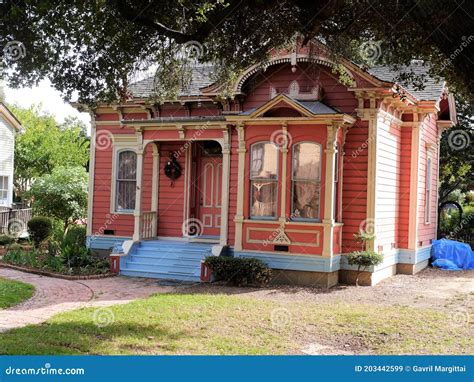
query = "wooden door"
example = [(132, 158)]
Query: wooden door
[(209, 194)]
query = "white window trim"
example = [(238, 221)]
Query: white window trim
[(121, 143), (6, 201), (307, 180), (277, 180), (428, 187)]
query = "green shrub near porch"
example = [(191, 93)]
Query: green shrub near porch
[(239, 271)]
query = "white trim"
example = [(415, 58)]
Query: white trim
[(414, 175), (90, 196), (371, 214), (239, 216), (137, 213), (225, 176)]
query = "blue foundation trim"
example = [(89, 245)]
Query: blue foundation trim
[(104, 242)]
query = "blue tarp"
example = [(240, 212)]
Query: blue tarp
[(452, 255)]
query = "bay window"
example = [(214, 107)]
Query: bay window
[(306, 181), (263, 180), (126, 182)]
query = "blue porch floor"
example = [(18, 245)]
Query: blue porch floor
[(165, 259)]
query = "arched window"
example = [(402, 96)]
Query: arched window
[(263, 180), (126, 181), (306, 180)]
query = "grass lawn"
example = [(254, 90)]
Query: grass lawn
[(14, 292), (222, 324)]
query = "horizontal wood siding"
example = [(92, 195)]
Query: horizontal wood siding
[(387, 201), (171, 198), (404, 191), (429, 136), (354, 194)]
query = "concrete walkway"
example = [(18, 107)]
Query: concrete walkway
[(54, 295)]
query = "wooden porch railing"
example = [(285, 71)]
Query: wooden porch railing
[(14, 221), (148, 224)]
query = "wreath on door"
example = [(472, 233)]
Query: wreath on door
[(172, 168)]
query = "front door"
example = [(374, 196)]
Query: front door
[(209, 192)]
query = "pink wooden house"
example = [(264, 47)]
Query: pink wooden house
[(286, 171)]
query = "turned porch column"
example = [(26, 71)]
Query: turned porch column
[(137, 213), (239, 217), (225, 187), (329, 199)]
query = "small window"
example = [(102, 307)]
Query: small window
[(3, 190), (126, 183), (306, 176), (428, 190), (263, 180)]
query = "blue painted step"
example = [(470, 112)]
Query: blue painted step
[(163, 259)]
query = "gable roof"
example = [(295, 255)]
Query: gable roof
[(432, 87), (201, 79), (308, 108), (9, 116)]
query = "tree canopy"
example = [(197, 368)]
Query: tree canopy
[(95, 47), (61, 194), (45, 144)]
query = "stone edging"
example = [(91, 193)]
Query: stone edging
[(56, 275)]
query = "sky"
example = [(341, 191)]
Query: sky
[(49, 98)]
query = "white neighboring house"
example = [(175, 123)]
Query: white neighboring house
[(9, 127)]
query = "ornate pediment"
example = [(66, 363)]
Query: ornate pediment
[(313, 93)]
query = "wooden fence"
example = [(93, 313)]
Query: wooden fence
[(14, 221)]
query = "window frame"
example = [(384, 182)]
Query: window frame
[(293, 180), (6, 190), (117, 180), (428, 187), (276, 181)]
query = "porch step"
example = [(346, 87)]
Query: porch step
[(163, 259)]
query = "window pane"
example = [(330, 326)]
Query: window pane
[(126, 195), (264, 161), (305, 200), (264, 198), (127, 165), (3, 182), (306, 161)]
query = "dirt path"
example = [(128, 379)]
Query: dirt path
[(431, 288)]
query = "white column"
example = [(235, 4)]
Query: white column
[(329, 201), (284, 183), (371, 218), (239, 217), (137, 232), (155, 186), (414, 175), (225, 188), (90, 197)]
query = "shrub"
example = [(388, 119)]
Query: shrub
[(75, 236), (239, 271), (364, 259), (40, 229), (6, 239)]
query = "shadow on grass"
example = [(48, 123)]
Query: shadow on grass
[(79, 337)]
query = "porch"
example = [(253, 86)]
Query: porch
[(14, 220)]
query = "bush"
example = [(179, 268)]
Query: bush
[(239, 271), (364, 259), (6, 239), (75, 236), (40, 228)]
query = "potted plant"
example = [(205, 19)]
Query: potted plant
[(364, 258)]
